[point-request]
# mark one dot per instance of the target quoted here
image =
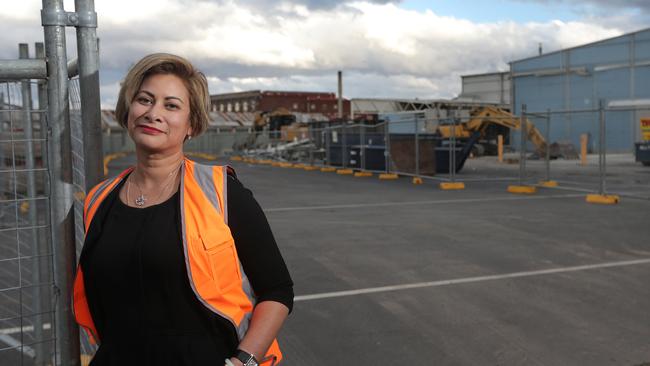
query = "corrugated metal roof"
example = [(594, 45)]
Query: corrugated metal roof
[(581, 46)]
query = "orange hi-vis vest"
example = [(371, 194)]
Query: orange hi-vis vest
[(215, 274)]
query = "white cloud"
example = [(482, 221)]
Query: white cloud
[(384, 50)]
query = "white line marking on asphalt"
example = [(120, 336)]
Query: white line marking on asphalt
[(414, 203), (457, 281)]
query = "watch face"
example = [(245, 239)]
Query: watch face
[(251, 362)]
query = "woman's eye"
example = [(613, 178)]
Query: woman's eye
[(172, 106), (144, 100)]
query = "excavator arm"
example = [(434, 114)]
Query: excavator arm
[(482, 117)]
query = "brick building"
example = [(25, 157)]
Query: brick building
[(267, 101)]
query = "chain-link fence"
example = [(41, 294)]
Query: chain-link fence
[(46, 161), (551, 148), (26, 270)]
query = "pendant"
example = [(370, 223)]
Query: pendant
[(140, 200)]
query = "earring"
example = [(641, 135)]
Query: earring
[(189, 137)]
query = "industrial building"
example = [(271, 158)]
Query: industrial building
[(320, 103), (487, 88), (614, 70)]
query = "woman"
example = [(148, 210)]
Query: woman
[(179, 266)]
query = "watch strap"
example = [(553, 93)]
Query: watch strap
[(246, 358)]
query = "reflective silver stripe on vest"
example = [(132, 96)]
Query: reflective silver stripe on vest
[(98, 193), (185, 245), (203, 176), (248, 290), (205, 179)]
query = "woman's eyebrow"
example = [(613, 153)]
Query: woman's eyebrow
[(153, 96), (173, 97)]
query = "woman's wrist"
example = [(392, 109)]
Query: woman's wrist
[(232, 361)]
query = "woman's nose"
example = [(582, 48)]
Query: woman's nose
[(153, 113)]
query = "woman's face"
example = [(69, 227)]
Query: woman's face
[(159, 114)]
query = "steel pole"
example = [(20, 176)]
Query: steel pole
[(339, 101), (42, 88), (417, 147), (343, 146), (88, 51), (362, 149), (548, 145), (522, 144), (452, 150), (45, 269), (601, 148), (22, 69), (387, 146), (61, 191), (328, 137), (26, 91), (313, 144)]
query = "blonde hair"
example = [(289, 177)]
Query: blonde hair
[(165, 63)]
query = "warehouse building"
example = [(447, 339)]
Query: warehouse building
[(319, 103), (487, 88), (615, 70)]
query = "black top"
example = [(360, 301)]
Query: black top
[(138, 290)]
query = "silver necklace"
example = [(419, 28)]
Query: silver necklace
[(142, 199)]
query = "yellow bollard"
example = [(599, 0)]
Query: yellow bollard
[(584, 139), (500, 147)]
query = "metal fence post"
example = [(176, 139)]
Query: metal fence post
[(343, 146), (387, 146), (452, 149), (313, 144), (548, 145), (328, 137), (362, 147), (602, 148), (417, 147), (522, 153), (61, 195), (26, 90), (87, 49)]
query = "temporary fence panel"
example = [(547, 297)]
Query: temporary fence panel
[(26, 276)]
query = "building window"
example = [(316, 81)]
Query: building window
[(245, 106), (295, 105), (236, 106), (313, 107), (229, 107), (221, 107)]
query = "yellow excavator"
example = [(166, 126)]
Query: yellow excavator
[(274, 119), (485, 123)]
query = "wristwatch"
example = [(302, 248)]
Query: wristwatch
[(246, 358)]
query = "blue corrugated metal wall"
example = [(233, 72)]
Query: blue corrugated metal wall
[(577, 78)]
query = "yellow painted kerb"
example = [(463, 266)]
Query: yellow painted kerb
[(548, 183), (522, 189), (603, 199), (388, 176), (362, 174), (448, 186)]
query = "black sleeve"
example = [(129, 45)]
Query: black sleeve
[(256, 246)]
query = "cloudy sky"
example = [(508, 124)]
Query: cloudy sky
[(410, 48)]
